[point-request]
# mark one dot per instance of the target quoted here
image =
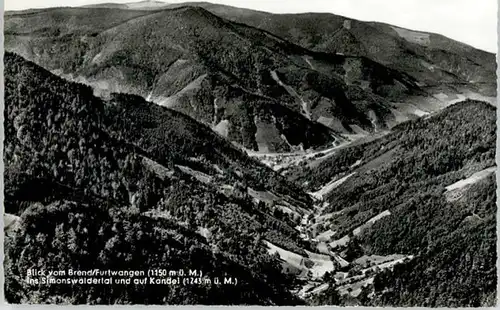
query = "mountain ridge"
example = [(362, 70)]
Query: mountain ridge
[(275, 61), (280, 25)]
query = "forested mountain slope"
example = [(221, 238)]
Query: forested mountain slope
[(256, 89), (426, 190), (91, 192)]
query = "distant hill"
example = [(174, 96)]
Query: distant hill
[(430, 58), (141, 5), (252, 87), (107, 6)]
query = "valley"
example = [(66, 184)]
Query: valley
[(354, 276)]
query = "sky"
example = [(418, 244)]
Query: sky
[(470, 21)]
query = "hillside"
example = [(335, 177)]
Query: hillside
[(252, 87), (425, 190), (131, 198), (431, 59)]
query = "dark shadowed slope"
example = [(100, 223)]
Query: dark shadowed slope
[(247, 84), (91, 192)]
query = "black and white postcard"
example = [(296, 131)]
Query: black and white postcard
[(250, 153)]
